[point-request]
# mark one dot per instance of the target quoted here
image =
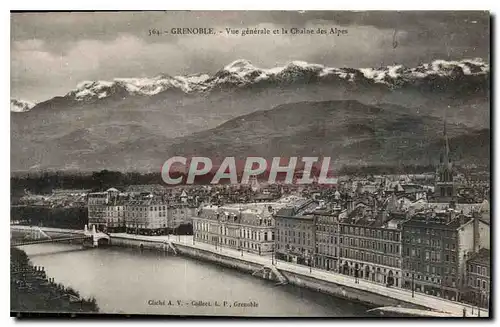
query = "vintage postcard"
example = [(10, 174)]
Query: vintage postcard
[(251, 163)]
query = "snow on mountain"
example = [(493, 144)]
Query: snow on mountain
[(20, 105), (438, 68), (243, 73), (155, 85), (88, 90)]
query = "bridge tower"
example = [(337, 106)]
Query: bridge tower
[(96, 236)]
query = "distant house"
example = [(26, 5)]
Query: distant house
[(479, 278)]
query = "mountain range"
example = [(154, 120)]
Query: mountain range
[(354, 115)]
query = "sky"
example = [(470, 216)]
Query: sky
[(52, 52)]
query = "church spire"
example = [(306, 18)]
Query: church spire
[(444, 190)]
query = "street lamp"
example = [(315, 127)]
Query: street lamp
[(483, 295), (412, 284)]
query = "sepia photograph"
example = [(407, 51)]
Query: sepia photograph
[(278, 164)]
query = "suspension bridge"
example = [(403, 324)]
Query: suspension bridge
[(40, 235)]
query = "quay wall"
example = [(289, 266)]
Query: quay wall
[(349, 293), (200, 254), (296, 279)]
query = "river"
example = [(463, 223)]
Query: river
[(124, 280)]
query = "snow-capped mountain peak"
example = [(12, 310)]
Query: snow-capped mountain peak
[(242, 72), (20, 105), (240, 66)]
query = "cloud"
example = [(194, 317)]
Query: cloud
[(52, 52)]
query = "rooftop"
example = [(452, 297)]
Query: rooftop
[(482, 257)]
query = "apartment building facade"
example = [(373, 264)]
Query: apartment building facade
[(246, 227), (371, 249), (479, 278)]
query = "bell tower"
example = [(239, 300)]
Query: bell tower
[(444, 189)]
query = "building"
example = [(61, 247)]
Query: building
[(435, 248), (440, 236), (327, 239), (244, 226), (444, 189), (430, 255), (370, 248), (180, 213), (147, 216), (97, 203), (478, 278), (114, 215), (144, 213), (295, 232)]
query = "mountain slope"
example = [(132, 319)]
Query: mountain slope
[(347, 131), (137, 123)]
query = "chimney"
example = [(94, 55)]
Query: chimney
[(328, 206), (350, 205), (452, 215), (461, 218), (475, 229)]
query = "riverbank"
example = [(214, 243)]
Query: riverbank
[(266, 267), (328, 282), (32, 291)]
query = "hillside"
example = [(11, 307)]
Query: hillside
[(136, 123), (348, 131)]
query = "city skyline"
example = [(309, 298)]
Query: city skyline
[(251, 163)]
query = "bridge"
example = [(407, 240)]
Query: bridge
[(40, 235)]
